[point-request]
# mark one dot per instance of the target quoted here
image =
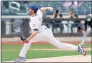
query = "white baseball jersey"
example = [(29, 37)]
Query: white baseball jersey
[(36, 21)]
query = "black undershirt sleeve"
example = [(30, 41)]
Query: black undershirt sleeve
[(85, 25), (36, 29)]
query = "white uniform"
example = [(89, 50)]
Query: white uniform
[(45, 34), (85, 34)]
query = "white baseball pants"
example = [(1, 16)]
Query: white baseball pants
[(85, 34), (47, 36)]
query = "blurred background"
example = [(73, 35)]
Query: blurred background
[(64, 20)]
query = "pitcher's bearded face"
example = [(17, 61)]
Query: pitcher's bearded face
[(31, 11)]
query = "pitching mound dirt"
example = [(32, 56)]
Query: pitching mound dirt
[(76, 58)]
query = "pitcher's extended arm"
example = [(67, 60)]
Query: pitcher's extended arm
[(34, 33), (46, 8)]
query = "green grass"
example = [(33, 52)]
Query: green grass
[(11, 55), (38, 46), (88, 45)]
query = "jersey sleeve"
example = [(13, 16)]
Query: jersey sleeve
[(40, 13)]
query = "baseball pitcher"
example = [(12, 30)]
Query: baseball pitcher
[(42, 33), (89, 30)]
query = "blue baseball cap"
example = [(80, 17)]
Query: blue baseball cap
[(33, 7)]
